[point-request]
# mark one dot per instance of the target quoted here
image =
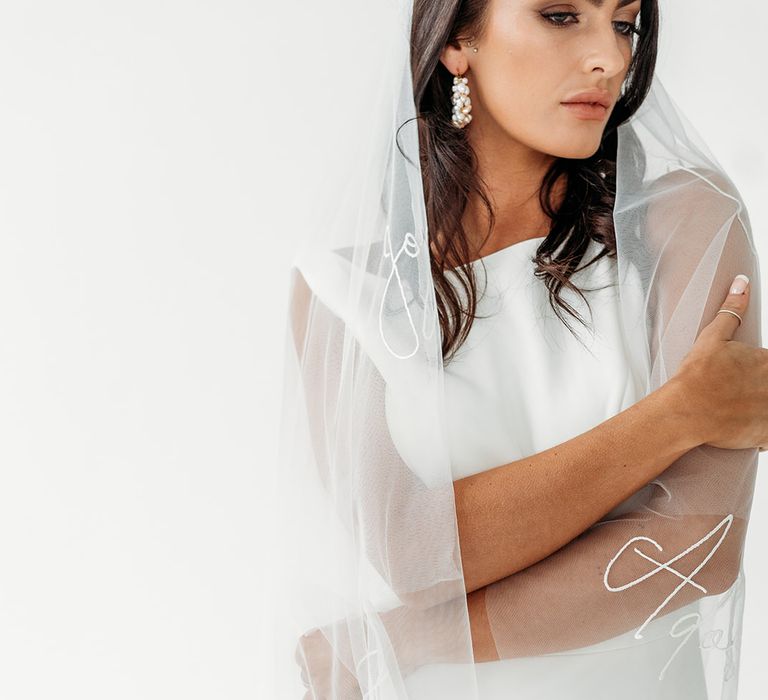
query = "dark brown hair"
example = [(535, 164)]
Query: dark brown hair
[(448, 168)]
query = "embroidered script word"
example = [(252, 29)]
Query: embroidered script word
[(725, 525), (411, 248), (709, 640)]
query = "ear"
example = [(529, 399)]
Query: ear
[(454, 59)]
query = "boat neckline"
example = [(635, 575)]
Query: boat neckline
[(500, 251)]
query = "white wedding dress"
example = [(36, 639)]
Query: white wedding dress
[(519, 385)]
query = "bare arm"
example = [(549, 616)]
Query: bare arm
[(536, 610), (553, 574), (499, 509), (532, 631), (549, 596)]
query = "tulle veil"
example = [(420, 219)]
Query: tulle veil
[(369, 574)]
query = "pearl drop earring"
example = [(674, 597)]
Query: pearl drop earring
[(462, 105)]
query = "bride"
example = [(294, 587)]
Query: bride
[(524, 385)]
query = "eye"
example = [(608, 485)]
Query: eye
[(627, 28), (558, 19)]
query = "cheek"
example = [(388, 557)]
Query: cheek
[(524, 71), (523, 90), (524, 100)]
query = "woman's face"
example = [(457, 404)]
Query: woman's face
[(535, 55)]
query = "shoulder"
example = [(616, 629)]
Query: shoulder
[(688, 210)]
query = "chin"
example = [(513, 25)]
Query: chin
[(575, 150)]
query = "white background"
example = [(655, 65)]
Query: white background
[(144, 172)]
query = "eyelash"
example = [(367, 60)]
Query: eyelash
[(632, 29)]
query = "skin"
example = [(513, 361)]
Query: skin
[(524, 67)]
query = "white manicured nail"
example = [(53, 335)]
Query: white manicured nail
[(739, 284)]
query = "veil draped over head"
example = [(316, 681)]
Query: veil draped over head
[(369, 587)]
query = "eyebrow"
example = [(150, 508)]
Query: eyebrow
[(622, 3)]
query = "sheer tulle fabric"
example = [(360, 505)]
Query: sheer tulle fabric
[(369, 566)]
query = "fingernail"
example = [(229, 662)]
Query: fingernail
[(739, 284)]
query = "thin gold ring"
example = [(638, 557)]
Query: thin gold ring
[(733, 313)]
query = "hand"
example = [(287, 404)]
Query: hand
[(325, 669), (324, 674), (726, 382)]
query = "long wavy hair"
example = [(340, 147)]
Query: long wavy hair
[(448, 166)]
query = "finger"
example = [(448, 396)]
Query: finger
[(724, 325)]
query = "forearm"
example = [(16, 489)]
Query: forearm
[(498, 510), (540, 610)]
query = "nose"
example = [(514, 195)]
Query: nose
[(605, 53)]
